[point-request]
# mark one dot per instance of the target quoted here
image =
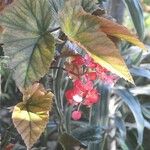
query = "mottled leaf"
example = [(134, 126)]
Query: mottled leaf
[(84, 29), (26, 39), (88, 5), (31, 116)]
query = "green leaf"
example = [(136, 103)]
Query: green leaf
[(122, 143), (100, 110), (136, 12), (92, 134), (141, 90), (135, 107), (89, 5), (26, 39), (140, 72), (146, 110), (56, 5), (84, 29), (68, 142), (132, 141), (120, 124), (68, 112), (99, 117)]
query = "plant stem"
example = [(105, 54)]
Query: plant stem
[(53, 30), (65, 70), (112, 109)]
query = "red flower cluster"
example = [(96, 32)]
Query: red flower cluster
[(83, 93), (84, 71)]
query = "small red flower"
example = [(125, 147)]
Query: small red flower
[(111, 79), (78, 60), (91, 76), (74, 96), (100, 69), (86, 71), (69, 95), (76, 115), (91, 98), (79, 85), (88, 85), (89, 62)]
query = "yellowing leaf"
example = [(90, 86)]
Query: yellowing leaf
[(26, 39), (31, 116), (29, 125), (114, 29), (84, 29)]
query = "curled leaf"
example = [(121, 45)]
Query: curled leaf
[(31, 116)]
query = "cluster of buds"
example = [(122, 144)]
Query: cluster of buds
[(84, 72)]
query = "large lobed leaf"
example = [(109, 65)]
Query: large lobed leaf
[(26, 39), (31, 116), (84, 29)]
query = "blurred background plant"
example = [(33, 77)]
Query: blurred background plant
[(121, 119)]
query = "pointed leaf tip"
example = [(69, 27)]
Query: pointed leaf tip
[(84, 29), (114, 29)]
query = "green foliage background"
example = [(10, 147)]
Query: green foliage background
[(131, 103)]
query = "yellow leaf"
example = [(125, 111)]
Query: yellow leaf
[(114, 29), (31, 116), (84, 29)]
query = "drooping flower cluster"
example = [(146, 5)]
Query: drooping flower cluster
[(84, 72)]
